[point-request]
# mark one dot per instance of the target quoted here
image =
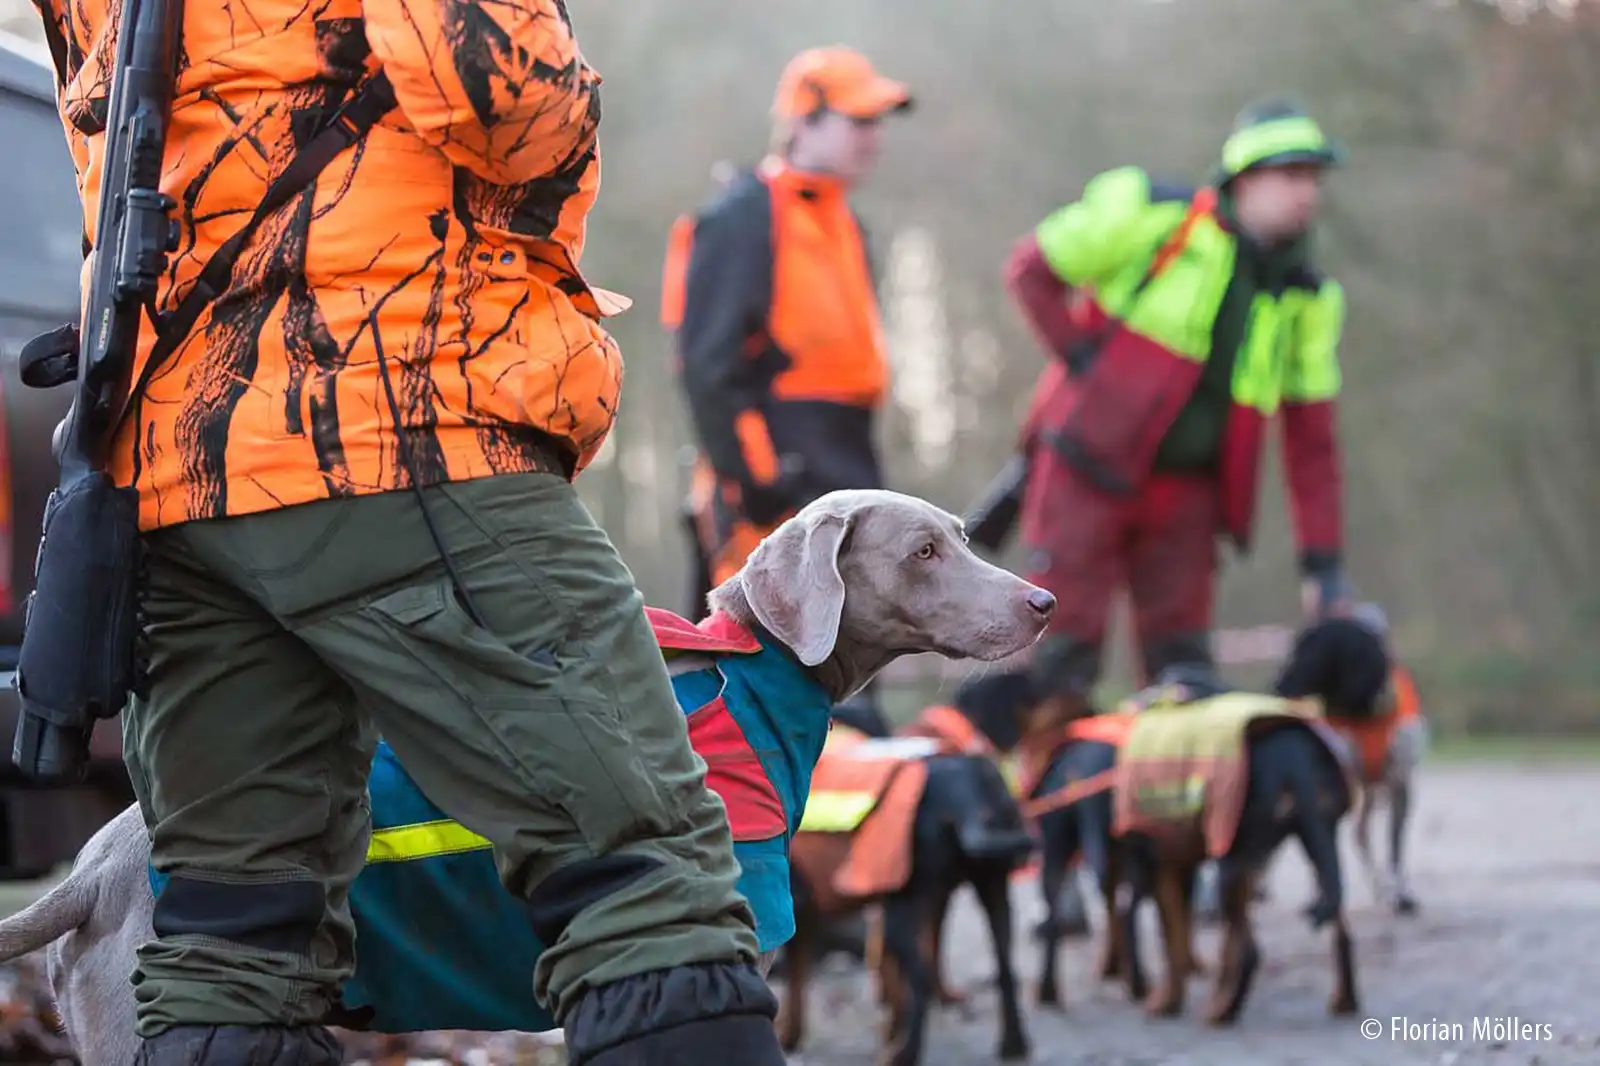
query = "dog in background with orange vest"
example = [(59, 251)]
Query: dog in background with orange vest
[(1387, 750)]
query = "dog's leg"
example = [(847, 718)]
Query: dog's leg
[(1113, 942), (1051, 879), (798, 955), (1071, 908), (894, 995), (912, 977), (1345, 1001), (1134, 869), (1167, 1000), (1203, 894), (1240, 956), (1261, 894), (994, 895), (1399, 815), (946, 996), (1366, 800), (1207, 883)]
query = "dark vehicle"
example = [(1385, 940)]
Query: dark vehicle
[(41, 254)]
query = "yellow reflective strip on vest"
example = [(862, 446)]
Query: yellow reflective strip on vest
[(836, 812), (422, 840)]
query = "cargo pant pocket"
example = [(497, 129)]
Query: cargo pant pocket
[(553, 743), (429, 627), (588, 763)]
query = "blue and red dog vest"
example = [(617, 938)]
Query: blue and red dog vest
[(442, 945)]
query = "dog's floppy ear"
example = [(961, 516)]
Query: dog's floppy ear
[(793, 585), (1339, 661)]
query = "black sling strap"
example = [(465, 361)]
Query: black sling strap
[(57, 43), (58, 57), (374, 99)]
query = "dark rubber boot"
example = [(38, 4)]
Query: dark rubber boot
[(241, 1045), (699, 1015)]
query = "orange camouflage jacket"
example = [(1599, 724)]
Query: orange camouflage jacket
[(451, 234)]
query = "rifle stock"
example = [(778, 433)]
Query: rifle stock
[(80, 656)]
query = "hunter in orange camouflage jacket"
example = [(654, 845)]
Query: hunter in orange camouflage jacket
[(451, 235)]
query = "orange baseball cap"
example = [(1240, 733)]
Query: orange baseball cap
[(838, 79)]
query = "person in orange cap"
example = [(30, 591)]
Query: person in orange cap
[(770, 297)]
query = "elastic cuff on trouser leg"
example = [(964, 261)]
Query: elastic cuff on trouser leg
[(611, 917), (721, 1010)]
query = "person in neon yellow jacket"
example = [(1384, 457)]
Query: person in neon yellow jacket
[(1180, 321)]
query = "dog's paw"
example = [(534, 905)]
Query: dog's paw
[(1406, 905), (1343, 1005), (1049, 997), (1164, 1003), (1063, 927), (1222, 1013), (1013, 1047), (788, 1033), (1320, 912)]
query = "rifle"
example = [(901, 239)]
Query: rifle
[(992, 518), (80, 657)]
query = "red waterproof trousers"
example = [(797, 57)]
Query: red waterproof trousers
[(1084, 545)]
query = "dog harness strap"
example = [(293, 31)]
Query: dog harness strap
[(1070, 793)]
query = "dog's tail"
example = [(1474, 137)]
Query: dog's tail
[(52, 916)]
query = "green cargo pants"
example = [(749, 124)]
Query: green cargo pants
[(284, 643)]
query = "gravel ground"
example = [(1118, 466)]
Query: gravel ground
[(1506, 863)]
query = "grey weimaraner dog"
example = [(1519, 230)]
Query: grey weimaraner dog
[(855, 580)]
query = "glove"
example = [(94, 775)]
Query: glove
[(1325, 591)]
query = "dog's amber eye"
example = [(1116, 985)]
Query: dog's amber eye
[(926, 551)]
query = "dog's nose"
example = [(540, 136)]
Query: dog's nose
[(1042, 602)]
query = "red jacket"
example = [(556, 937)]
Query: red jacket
[(1060, 315)]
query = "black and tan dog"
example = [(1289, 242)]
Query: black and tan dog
[(942, 818), (1231, 775)]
